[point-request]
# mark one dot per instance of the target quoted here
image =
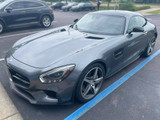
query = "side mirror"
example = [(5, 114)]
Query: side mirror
[(9, 9), (76, 20), (137, 29)]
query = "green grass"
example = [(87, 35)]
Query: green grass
[(155, 12), (156, 4), (142, 8), (132, 7)]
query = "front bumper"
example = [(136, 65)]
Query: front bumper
[(24, 80), (38, 97)]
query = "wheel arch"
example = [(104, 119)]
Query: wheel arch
[(100, 61), (3, 22), (156, 35)]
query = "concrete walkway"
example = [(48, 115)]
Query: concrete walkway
[(7, 109), (145, 12)]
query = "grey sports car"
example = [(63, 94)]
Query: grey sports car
[(56, 66)]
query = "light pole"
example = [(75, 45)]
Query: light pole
[(116, 5), (98, 4)]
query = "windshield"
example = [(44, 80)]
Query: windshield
[(71, 4), (3, 4), (101, 24), (80, 4)]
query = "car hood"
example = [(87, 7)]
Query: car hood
[(47, 49)]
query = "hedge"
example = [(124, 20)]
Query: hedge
[(131, 7)]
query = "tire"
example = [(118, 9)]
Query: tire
[(90, 82), (46, 21), (150, 47), (1, 27)]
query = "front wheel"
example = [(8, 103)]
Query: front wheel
[(150, 47), (90, 82), (46, 21)]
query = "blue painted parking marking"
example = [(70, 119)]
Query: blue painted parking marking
[(86, 107)]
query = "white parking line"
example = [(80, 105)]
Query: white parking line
[(19, 34), (6, 36), (2, 59)]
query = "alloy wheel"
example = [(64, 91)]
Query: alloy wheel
[(151, 46), (1, 28), (46, 21), (92, 83)]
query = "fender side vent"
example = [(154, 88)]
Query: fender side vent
[(62, 30)]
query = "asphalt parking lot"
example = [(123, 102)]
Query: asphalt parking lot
[(136, 99)]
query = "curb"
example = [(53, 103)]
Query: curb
[(8, 110)]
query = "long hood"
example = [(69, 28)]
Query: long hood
[(51, 48)]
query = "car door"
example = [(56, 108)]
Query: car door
[(118, 51), (130, 47), (13, 14), (33, 11), (136, 40), (23, 13)]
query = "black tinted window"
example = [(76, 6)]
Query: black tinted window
[(17, 5), (29, 4)]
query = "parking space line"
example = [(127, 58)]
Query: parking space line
[(25, 33), (6, 36), (86, 107), (1, 59)]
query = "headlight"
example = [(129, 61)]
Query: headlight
[(56, 75)]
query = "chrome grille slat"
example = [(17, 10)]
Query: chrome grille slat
[(18, 79)]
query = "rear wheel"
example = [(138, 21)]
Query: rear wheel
[(150, 47), (1, 27), (90, 82), (46, 21)]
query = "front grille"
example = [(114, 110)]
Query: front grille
[(18, 79)]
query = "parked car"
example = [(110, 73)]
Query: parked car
[(58, 5), (1, 1), (68, 7), (83, 7), (58, 65), (20, 13)]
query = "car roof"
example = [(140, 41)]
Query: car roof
[(118, 13)]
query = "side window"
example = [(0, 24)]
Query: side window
[(142, 21), (136, 21), (29, 4), (17, 5)]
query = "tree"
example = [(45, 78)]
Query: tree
[(108, 2)]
